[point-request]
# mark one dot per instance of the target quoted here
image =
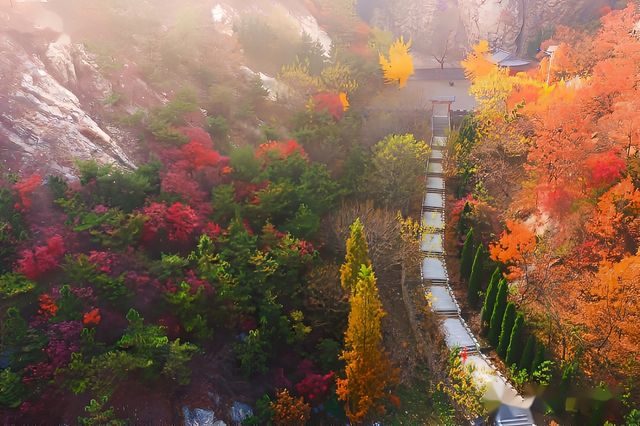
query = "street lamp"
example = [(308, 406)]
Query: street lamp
[(549, 52)]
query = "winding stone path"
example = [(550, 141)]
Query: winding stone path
[(512, 409)]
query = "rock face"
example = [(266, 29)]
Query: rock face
[(42, 122), (510, 24)]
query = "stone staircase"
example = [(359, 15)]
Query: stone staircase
[(514, 409)]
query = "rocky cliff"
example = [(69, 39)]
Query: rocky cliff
[(44, 124), (510, 24)]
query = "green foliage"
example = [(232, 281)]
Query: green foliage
[(519, 377), (69, 306), (543, 373), (495, 326), (150, 345), (163, 121), (396, 167), (325, 138), (113, 99), (354, 172), (13, 229), (475, 279), (464, 141), (327, 355), (112, 289), (252, 353), (515, 340), (304, 224), (24, 344), (538, 359), (117, 188), (176, 363), (223, 200), (262, 413), (490, 299), (505, 331), (99, 415), (357, 255), (466, 260), (191, 309), (528, 354), (218, 127), (170, 265), (12, 391), (13, 284), (245, 165)]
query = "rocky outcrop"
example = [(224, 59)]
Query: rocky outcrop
[(510, 24), (42, 122), (514, 23)]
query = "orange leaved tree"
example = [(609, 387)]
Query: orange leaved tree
[(368, 371), (514, 248), (289, 411)]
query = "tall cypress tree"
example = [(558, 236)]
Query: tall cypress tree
[(357, 255), (490, 299), (368, 371), (499, 307), (466, 259), (475, 279), (505, 332), (539, 358), (515, 341), (528, 354)]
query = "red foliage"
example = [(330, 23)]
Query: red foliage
[(102, 260), (315, 387), (24, 188), (212, 230), (279, 150), (48, 307), (194, 168), (178, 180), (92, 317), (34, 262), (179, 222), (605, 168), (330, 103)]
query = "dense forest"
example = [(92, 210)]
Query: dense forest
[(260, 262)]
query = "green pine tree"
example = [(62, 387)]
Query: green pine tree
[(515, 341), (538, 358), (490, 299), (528, 354), (357, 255), (466, 259), (505, 332), (475, 279), (498, 312)]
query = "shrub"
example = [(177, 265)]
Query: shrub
[(499, 307), (466, 259), (506, 328), (13, 284)]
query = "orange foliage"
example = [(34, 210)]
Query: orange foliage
[(289, 411), (279, 150), (92, 317), (610, 313), (515, 246)]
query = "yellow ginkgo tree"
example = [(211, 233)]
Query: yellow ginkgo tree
[(399, 67)]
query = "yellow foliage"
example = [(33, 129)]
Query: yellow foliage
[(477, 63), (368, 369), (399, 67), (344, 100)]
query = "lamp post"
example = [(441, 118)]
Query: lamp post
[(549, 52)]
